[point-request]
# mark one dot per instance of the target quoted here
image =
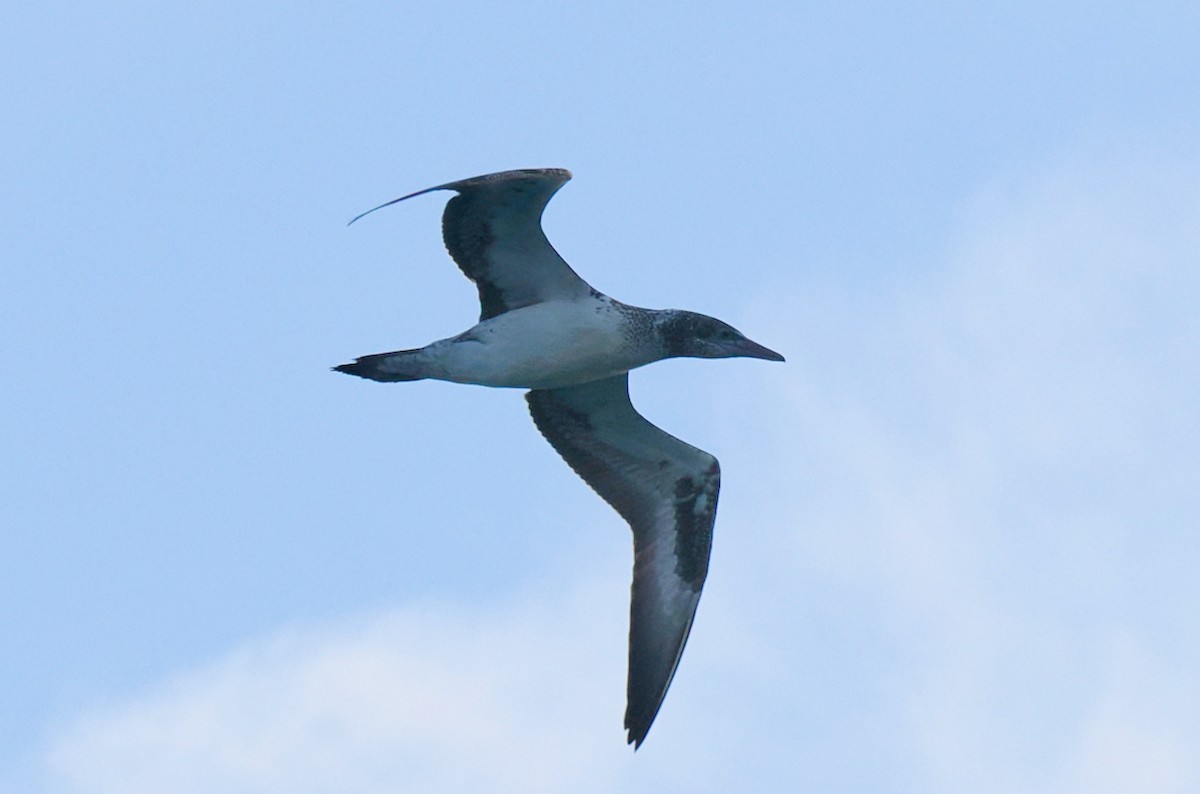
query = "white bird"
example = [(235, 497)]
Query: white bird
[(543, 328)]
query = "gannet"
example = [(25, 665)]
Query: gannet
[(543, 328)]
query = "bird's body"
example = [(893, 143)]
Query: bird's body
[(544, 328), (543, 346)]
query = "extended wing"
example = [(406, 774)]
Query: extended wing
[(667, 491), (493, 230)]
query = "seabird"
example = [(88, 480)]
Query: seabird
[(543, 328)]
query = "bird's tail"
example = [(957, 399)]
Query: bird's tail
[(388, 367)]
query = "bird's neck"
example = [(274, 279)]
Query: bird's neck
[(674, 330)]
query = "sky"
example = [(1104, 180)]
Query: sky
[(957, 543)]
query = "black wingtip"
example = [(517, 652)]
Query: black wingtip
[(637, 732), (368, 212), (398, 200)]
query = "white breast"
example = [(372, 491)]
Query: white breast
[(543, 346)]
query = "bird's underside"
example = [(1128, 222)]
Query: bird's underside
[(667, 491), (544, 327)]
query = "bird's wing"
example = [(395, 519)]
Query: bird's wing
[(667, 491), (493, 230)]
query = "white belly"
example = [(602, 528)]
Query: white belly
[(544, 346)]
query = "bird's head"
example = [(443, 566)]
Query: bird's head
[(700, 336)]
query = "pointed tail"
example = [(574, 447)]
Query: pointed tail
[(387, 367)]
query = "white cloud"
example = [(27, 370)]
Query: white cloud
[(1139, 734), (526, 697), (1002, 453)]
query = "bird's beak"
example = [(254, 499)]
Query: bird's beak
[(745, 347)]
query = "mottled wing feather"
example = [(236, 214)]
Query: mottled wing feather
[(667, 491), (493, 231)]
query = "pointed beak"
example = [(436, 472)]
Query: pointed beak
[(749, 349)]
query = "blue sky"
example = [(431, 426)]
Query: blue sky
[(957, 541)]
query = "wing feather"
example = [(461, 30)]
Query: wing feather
[(493, 231), (667, 491)]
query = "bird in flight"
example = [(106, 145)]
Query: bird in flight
[(543, 328)]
